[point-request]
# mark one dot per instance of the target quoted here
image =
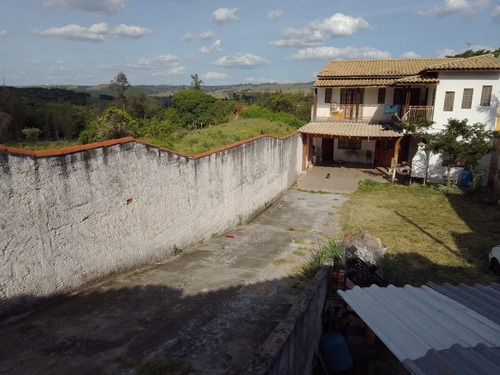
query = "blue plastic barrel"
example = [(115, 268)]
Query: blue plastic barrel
[(335, 352), (465, 178)]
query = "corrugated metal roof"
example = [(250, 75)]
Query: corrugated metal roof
[(483, 299), (429, 332), (350, 129)]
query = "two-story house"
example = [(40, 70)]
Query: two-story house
[(358, 104)]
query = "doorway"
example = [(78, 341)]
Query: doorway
[(327, 149)]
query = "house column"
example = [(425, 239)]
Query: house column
[(310, 148), (304, 151), (394, 160)]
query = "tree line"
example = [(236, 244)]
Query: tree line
[(67, 115)]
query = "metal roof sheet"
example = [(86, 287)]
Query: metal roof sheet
[(427, 330), (483, 299), (350, 129)]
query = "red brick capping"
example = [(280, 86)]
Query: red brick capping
[(112, 142)]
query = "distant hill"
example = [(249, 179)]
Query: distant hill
[(80, 94)]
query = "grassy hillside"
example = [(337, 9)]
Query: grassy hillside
[(213, 137)]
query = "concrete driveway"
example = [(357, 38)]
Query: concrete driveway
[(208, 309), (338, 179)]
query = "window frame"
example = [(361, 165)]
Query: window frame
[(467, 99), (448, 102), (328, 95), (381, 95), (349, 144), (486, 93)]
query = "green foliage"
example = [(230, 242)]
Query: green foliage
[(295, 104), (463, 144), (140, 106), (329, 254), (31, 134), (114, 124), (255, 111), (470, 53), (196, 82), (195, 108)]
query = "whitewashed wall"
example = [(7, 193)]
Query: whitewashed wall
[(69, 220)]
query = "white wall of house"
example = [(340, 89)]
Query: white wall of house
[(457, 82)]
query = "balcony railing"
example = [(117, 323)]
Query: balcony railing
[(373, 113)]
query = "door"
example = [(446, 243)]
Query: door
[(350, 99), (327, 149), (384, 151)]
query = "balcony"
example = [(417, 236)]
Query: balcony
[(373, 113)]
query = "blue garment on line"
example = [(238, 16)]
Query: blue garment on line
[(391, 109)]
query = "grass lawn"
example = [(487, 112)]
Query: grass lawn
[(430, 235), (213, 137)]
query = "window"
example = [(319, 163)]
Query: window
[(349, 144), (448, 101), (486, 96), (328, 95), (386, 145), (381, 95), (467, 99)]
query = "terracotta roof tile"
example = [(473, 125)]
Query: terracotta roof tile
[(378, 68), (350, 129), (483, 62), (353, 82), (404, 67)]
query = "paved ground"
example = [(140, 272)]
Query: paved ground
[(210, 308)]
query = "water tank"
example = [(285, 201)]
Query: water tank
[(335, 352)]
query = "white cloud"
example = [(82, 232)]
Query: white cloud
[(97, 32), (325, 53), (409, 55), (274, 14), (259, 80), (215, 76), (496, 14), (451, 7), (207, 35), (156, 62), (164, 66), (98, 6), (38, 62), (242, 60), (338, 25), (171, 72), (445, 52), (224, 15), (213, 48), (3, 33)]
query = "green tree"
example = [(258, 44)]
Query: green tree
[(196, 82), (115, 123), (470, 53), (463, 144), (119, 85), (195, 108), (31, 134)]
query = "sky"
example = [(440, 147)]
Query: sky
[(164, 42)]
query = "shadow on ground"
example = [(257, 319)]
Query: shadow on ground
[(126, 330)]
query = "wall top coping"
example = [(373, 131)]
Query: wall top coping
[(113, 142)]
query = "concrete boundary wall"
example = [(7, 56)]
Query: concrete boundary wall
[(74, 216), (292, 346)]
